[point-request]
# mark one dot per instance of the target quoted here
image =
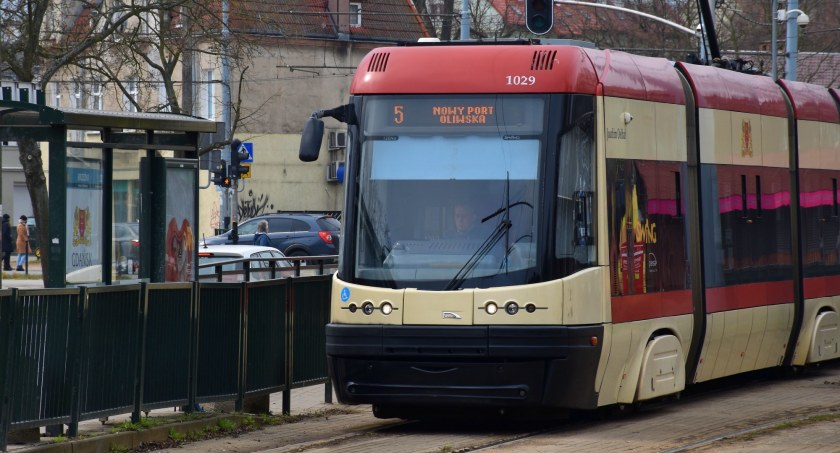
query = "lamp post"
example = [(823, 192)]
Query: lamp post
[(795, 18), (774, 64)]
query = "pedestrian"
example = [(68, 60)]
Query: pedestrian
[(261, 236), (22, 242), (6, 239)]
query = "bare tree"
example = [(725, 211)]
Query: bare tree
[(33, 47), (115, 41)]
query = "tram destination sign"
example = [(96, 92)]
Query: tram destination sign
[(416, 114), (445, 114)]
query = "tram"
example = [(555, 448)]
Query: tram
[(639, 225)]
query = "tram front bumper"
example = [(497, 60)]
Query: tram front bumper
[(498, 366)]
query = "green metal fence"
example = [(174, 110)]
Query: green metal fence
[(42, 362), (70, 355), (168, 339), (267, 317), (110, 353)]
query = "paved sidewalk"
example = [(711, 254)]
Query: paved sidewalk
[(26, 279)]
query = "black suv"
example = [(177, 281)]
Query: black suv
[(292, 234)]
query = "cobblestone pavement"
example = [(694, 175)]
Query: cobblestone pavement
[(748, 417)]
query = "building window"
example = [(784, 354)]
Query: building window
[(77, 95), (209, 96), (355, 15), (131, 88), (57, 95), (96, 96)]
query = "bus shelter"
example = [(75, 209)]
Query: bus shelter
[(123, 190)]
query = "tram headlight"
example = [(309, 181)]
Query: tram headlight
[(367, 308), (386, 308), (491, 308), (530, 308), (512, 308), (352, 308)]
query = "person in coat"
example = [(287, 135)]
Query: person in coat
[(261, 236), (6, 239), (22, 242)]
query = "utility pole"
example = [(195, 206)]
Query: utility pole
[(774, 64), (792, 41), (225, 206), (465, 20)]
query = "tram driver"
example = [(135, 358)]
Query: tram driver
[(465, 220)]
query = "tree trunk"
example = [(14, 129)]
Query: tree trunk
[(446, 26), (36, 184), (423, 10)]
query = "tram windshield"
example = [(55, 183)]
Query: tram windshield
[(448, 189)]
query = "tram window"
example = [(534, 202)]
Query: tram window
[(744, 196), (574, 241), (678, 197)]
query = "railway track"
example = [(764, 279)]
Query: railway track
[(704, 418)]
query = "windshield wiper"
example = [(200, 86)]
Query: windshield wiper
[(378, 246), (488, 244), (500, 231), (505, 208)]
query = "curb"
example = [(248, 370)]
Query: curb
[(128, 440)]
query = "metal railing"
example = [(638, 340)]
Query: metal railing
[(69, 355), (252, 269)]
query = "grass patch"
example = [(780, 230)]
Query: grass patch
[(176, 435), (144, 423), (118, 449), (226, 425), (58, 439)]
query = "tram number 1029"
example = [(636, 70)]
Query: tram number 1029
[(521, 80)]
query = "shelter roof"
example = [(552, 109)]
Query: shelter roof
[(14, 113)]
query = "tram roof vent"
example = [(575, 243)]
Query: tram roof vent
[(543, 60), (379, 62)]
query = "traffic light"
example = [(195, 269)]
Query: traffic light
[(238, 153), (539, 16), (220, 176)]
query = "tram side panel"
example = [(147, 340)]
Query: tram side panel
[(818, 147), (645, 162), (746, 226)]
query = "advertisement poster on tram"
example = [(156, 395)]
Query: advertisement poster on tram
[(84, 201), (180, 221)]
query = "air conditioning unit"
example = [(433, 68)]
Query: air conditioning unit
[(332, 171), (338, 139)]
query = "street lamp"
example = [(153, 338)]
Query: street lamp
[(795, 18)]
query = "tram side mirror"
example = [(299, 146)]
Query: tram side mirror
[(311, 139), (583, 218)]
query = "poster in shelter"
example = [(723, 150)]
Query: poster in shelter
[(84, 221)]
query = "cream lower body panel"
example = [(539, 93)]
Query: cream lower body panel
[(623, 355), (739, 341), (819, 337)]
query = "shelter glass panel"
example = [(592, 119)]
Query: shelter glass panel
[(125, 221)]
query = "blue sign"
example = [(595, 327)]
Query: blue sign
[(345, 294), (250, 148)]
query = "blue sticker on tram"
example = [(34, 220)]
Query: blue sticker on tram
[(345, 294)]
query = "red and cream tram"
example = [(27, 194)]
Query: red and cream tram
[(639, 225)]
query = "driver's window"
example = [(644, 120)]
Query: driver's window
[(575, 245)]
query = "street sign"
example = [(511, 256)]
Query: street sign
[(250, 148), (248, 174)]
